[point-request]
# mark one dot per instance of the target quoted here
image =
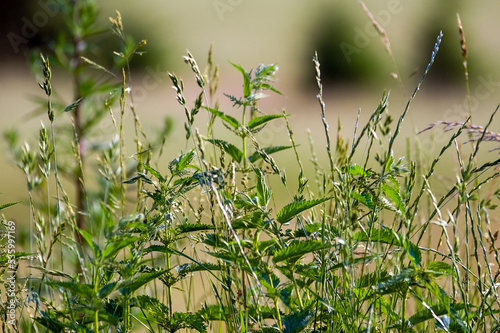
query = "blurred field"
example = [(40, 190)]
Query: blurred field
[(287, 33)]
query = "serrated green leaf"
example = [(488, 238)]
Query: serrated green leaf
[(228, 119), (426, 314), (113, 248), (297, 249), (107, 289), (397, 283), (370, 279), (268, 150), (51, 324), (73, 105), (257, 121), (439, 268), (184, 160), (297, 321), (9, 204), (196, 267), (157, 248), (130, 285), (293, 209), (76, 288), (155, 173), (414, 252), (357, 170), (365, 198), (107, 317), (247, 86), (395, 197), (308, 229), (192, 227), (228, 148), (154, 307)]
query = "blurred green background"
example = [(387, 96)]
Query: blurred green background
[(356, 68)]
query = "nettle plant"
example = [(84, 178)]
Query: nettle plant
[(346, 254)]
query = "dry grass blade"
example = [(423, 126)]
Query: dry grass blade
[(463, 46), (475, 130), (380, 29)]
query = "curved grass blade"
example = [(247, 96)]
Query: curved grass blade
[(9, 204)]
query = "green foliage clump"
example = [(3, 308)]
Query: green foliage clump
[(345, 254)]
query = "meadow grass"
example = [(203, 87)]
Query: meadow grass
[(365, 244)]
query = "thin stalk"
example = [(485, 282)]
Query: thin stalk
[(79, 134), (323, 109)]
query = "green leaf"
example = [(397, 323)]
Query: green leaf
[(297, 321), (76, 288), (108, 317), (72, 105), (268, 150), (247, 86), (297, 249), (184, 160), (154, 307), (113, 248), (293, 209), (196, 267), (385, 236), (263, 191), (155, 173), (439, 268), (357, 170), (424, 315), (257, 121), (140, 175), (8, 205), (308, 229), (157, 248), (365, 198), (130, 285), (228, 119), (395, 197), (93, 245), (107, 289), (388, 164), (370, 279), (51, 324), (228, 148), (192, 227), (398, 283), (414, 252)]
